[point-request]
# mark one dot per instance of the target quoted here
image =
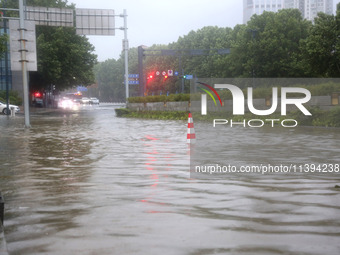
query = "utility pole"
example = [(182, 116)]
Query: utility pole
[(6, 59), (126, 50), (23, 61), (24, 64), (140, 71)]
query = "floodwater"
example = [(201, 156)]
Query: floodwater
[(91, 183)]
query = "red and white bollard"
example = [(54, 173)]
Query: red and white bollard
[(191, 136)]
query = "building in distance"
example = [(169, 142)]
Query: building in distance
[(308, 8)]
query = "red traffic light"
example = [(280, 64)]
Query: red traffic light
[(37, 94)]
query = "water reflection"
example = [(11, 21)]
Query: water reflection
[(45, 164)]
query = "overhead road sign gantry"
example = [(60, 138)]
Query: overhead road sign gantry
[(50, 16), (95, 22)]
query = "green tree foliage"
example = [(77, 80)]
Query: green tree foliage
[(270, 45), (3, 44), (322, 46), (64, 58), (4, 37), (206, 38), (110, 79), (49, 3)]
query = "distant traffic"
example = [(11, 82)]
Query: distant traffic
[(74, 100)]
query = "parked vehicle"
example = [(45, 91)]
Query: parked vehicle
[(38, 102), (4, 110), (85, 100), (94, 100)]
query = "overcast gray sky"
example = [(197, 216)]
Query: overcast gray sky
[(161, 21)]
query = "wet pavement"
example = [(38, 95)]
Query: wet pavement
[(91, 183)]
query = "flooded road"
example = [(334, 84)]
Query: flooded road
[(92, 183)]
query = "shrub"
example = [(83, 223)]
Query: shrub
[(13, 97), (120, 112), (160, 98)]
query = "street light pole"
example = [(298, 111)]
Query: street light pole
[(24, 64), (126, 50), (6, 59)]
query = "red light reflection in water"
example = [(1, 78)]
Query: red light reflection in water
[(151, 159), (155, 160), (149, 137)]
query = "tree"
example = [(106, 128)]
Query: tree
[(64, 58), (110, 78), (206, 38), (270, 45), (322, 46), (3, 37), (3, 45)]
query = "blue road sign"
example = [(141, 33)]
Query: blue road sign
[(81, 88), (133, 82), (189, 77), (133, 75), (176, 73)]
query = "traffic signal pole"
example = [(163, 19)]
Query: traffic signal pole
[(140, 71), (172, 52), (126, 49)]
